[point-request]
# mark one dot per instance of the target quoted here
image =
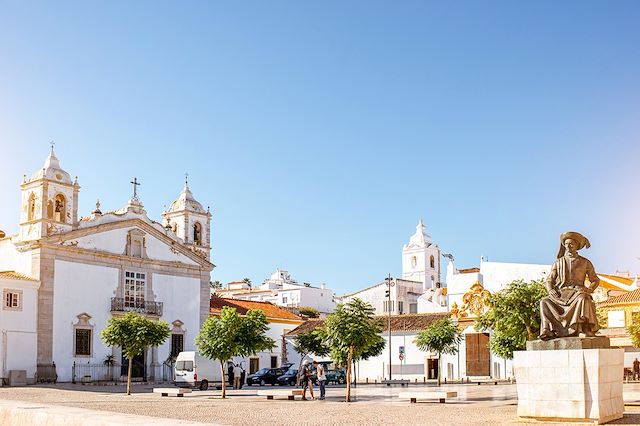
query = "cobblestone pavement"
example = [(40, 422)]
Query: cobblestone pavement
[(374, 405)]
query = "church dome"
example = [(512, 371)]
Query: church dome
[(186, 201), (51, 170)]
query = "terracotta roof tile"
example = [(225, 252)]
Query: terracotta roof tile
[(630, 297), (242, 306), (13, 275), (408, 322)]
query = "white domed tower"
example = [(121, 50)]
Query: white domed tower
[(49, 201), (190, 221), (421, 259)]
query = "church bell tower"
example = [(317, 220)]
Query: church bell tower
[(190, 221), (49, 201)]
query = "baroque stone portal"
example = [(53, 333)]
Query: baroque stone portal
[(569, 309)]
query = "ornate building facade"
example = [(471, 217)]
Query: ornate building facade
[(93, 268)]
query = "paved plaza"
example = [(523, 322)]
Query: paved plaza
[(374, 405)]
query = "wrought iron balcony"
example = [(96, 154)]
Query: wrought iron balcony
[(118, 304)]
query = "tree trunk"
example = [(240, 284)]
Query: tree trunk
[(349, 362), (224, 382), (439, 365), (530, 334), (129, 376)]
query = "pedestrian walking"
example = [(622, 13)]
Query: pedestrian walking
[(237, 373), (322, 377), (306, 380), (230, 373), (636, 369)]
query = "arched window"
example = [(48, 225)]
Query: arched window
[(31, 207), (59, 208), (197, 234), (49, 209), (174, 227), (414, 261), (432, 262)]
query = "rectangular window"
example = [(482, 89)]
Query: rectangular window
[(184, 366), (177, 344), (254, 365), (274, 361), (284, 299), (616, 318), (400, 307), (413, 308), (83, 342), (134, 289), (12, 300)]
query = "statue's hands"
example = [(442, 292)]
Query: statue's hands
[(554, 292)]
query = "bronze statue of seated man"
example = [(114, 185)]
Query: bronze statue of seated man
[(569, 309)]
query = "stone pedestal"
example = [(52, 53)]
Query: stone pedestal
[(570, 385)]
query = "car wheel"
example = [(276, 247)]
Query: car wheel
[(262, 383), (204, 385), (341, 380), (292, 383)]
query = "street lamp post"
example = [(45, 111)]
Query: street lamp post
[(390, 284)]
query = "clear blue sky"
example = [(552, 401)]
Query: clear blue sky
[(320, 132)]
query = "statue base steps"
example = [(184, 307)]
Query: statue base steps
[(579, 385)]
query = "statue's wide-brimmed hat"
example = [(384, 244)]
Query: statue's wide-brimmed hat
[(580, 239)]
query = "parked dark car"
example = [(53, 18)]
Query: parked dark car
[(334, 375), (288, 378), (264, 376)]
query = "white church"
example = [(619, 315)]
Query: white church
[(418, 289), (63, 277)]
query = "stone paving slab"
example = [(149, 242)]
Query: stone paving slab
[(476, 405)]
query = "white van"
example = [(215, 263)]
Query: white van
[(195, 370)]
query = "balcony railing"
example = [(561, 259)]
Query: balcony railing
[(118, 304)]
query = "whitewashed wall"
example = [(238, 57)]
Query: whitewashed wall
[(80, 288), (181, 301), (18, 338)]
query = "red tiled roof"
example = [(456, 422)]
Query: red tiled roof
[(468, 270), (13, 275), (407, 322), (242, 306), (630, 297)]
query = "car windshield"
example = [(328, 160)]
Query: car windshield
[(262, 371), (184, 365)]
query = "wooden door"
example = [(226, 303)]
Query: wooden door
[(477, 354)]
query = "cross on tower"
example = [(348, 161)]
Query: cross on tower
[(53, 144), (135, 184)]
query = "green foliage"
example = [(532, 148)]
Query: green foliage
[(310, 343), (352, 332), (233, 335), (442, 337), (133, 333), (309, 312), (634, 332), (513, 316)]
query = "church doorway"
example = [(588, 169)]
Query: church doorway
[(477, 354), (138, 369)]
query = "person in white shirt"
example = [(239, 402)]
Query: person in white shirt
[(237, 372), (322, 377)]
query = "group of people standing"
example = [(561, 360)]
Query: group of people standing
[(307, 383), (236, 375)]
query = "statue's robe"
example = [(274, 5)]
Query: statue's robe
[(562, 315)]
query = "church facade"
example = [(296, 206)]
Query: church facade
[(90, 269)]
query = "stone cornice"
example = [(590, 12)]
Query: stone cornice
[(55, 242)]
